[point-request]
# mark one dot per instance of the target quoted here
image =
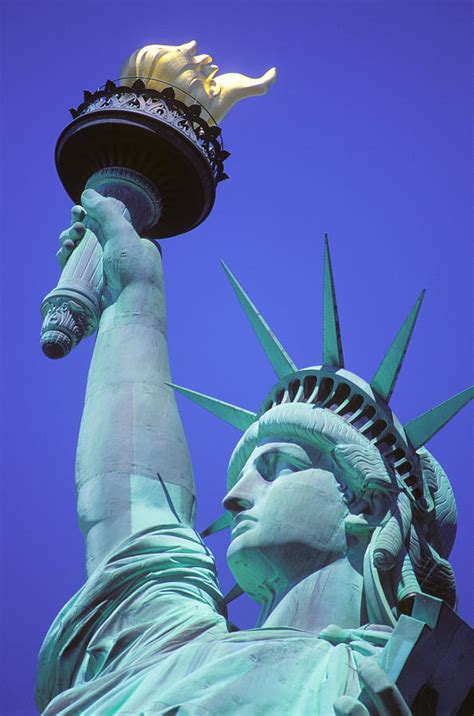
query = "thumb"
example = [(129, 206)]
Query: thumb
[(105, 215)]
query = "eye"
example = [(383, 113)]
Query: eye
[(266, 466), (284, 471), (273, 465)]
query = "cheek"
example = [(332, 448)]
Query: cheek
[(309, 508)]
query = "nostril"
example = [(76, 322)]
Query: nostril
[(236, 504)]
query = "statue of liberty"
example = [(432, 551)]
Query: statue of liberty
[(341, 524)]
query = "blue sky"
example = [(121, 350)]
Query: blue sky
[(366, 135)]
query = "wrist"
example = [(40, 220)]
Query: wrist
[(140, 303)]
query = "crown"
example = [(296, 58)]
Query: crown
[(331, 387)]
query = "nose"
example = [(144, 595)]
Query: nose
[(236, 504), (239, 498)]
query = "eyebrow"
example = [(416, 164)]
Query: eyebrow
[(288, 450)]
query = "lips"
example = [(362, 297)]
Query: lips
[(240, 523)]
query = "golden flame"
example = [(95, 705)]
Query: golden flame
[(195, 77)]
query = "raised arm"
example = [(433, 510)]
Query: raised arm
[(133, 468)]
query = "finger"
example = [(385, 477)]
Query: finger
[(77, 214), (383, 692), (348, 706), (62, 256), (71, 237), (77, 231), (65, 240)]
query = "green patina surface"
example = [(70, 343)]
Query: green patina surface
[(326, 532)]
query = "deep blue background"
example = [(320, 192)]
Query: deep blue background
[(366, 135)]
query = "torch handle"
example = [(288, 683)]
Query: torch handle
[(72, 309)]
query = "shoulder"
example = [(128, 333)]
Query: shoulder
[(159, 586)]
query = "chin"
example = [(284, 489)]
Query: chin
[(254, 570), (244, 562)]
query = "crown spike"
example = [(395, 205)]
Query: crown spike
[(222, 523), (238, 417), (422, 429), (278, 357), (332, 344), (386, 375)]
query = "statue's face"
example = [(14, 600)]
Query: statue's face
[(289, 517)]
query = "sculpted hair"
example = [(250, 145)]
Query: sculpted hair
[(408, 551)]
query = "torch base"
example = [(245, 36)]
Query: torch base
[(132, 189), (166, 157)]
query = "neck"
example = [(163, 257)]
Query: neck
[(318, 600)]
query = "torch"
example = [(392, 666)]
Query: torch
[(152, 141)]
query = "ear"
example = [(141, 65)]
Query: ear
[(365, 515), (362, 471)]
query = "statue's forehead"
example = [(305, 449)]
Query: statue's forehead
[(256, 439), (277, 444)]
